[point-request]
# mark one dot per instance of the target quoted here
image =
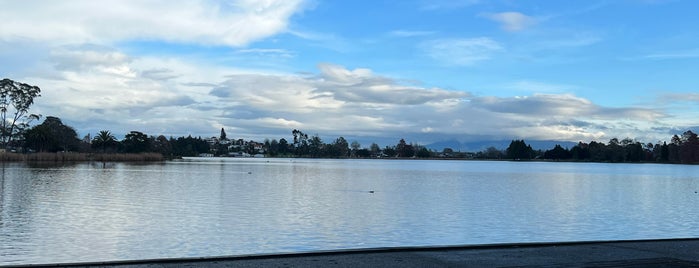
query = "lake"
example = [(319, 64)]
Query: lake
[(228, 206)]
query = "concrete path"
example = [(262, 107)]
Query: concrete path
[(643, 253)]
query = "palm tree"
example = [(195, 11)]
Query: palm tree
[(103, 140)]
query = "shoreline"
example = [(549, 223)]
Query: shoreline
[(677, 252), (10, 157)]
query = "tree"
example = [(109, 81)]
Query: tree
[(423, 152), (104, 140), (363, 153), (689, 148), (19, 97), (518, 149), (315, 146), (374, 149), (389, 151), (339, 148), (52, 136), (301, 141), (355, 147), (161, 145), (491, 153), (189, 146), (136, 142), (448, 152), (223, 135), (273, 149), (580, 151), (664, 152), (557, 153), (634, 152), (283, 146), (39, 138), (404, 150)]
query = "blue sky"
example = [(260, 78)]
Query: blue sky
[(368, 70)]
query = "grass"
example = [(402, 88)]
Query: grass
[(80, 157)]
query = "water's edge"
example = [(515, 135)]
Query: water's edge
[(284, 255)]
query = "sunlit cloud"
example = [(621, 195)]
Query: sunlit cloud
[(234, 23)]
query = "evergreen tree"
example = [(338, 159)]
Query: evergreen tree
[(223, 135)]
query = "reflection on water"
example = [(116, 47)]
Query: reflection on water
[(205, 207)]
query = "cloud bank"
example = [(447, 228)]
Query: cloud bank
[(207, 22), (95, 87)]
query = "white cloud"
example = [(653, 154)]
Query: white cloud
[(461, 51), (512, 21), (235, 23), (361, 86)]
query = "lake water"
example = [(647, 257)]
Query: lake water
[(208, 207)]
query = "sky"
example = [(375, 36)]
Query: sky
[(425, 71)]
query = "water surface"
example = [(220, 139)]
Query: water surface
[(208, 207)]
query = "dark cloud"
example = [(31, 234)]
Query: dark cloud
[(550, 105), (87, 57)]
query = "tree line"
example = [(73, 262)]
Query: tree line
[(54, 136), (681, 149)]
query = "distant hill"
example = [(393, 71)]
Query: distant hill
[(499, 144)]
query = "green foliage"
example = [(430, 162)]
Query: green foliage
[(283, 147), (223, 135), (404, 150), (189, 146), (161, 145), (423, 153), (518, 149), (15, 99), (136, 142), (104, 141), (490, 153), (557, 153), (389, 151), (338, 149), (51, 136)]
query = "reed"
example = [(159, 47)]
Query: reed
[(142, 157), (80, 157), (56, 157), (11, 157)]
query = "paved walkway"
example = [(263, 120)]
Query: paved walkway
[(644, 253)]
